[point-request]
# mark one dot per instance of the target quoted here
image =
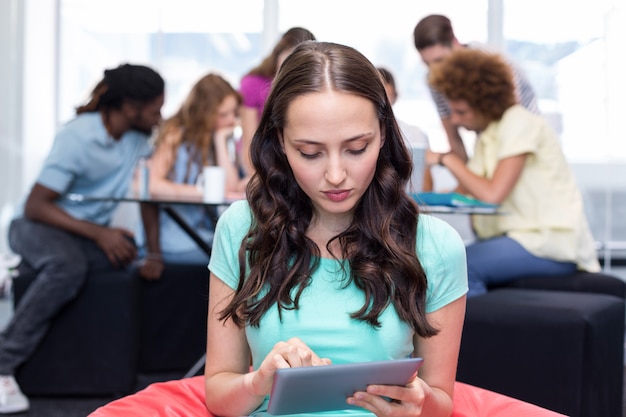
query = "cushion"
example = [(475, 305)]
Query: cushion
[(588, 282), (91, 346), (559, 349), (173, 313), (185, 397)]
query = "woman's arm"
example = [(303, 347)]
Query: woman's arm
[(231, 388), (441, 354), (227, 378), (223, 159), (454, 138), (430, 393), (161, 163), (494, 190)]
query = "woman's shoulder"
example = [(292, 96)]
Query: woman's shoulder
[(171, 136), (436, 237), (518, 115), (431, 227), (519, 128), (237, 217)]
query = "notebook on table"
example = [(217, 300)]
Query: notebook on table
[(450, 200), (325, 388)]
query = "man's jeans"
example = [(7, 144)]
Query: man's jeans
[(62, 261)]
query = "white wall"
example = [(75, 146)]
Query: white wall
[(27, 119), (11, 16)]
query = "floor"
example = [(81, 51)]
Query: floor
[(81, 407)]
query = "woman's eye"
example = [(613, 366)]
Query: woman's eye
[(309, 155), (357, 151)]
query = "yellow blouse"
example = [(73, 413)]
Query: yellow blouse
[(544, 211)]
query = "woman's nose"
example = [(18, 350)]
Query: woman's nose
[(335, 171)]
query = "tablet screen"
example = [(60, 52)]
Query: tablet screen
[(324, 388)]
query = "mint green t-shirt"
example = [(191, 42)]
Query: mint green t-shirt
[(323, 320)]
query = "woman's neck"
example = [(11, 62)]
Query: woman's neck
[(322, 230)]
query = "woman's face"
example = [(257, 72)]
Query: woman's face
[(227, 113), (332, 141), (461, 114)]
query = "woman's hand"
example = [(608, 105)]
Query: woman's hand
[(405, 401), (222, 135), (434, 158), (293, 353)]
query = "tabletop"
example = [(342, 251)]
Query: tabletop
[(166, 200), (151, 198)]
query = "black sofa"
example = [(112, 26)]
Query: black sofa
[(554, 342), (120, 333)]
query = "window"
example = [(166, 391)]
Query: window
[(383, 31), (182, 39), (571, 54)]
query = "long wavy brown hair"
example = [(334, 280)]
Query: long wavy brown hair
[(379, 244), (195, 120)]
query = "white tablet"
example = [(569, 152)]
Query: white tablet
[(325, 388)]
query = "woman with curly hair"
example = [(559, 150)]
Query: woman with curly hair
[(195, 136), (328, 260), (517, 163)]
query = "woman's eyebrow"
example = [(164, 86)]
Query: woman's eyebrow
[(352, 139)]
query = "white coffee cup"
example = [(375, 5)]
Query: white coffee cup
[(213, 184)]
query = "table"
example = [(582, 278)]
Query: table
[(166, 203), (424, 209), (456, 216)]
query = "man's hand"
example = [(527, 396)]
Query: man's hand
[(117, 244), (151, 268)]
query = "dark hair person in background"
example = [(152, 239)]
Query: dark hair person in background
[(255, 87), (517, 163), (94, 154), (328, 259)]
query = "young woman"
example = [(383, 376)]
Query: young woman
[(255, 87), (195, 137), (328, 260), (517, 163)]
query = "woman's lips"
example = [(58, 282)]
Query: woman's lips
[(337, 195)]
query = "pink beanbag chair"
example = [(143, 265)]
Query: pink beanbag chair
[(185, 397)]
